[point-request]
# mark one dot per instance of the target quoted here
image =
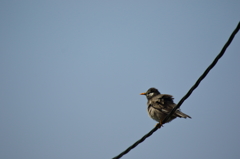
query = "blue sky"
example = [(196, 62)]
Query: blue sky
[(72, 72)]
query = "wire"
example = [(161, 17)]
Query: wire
[(186, 96)]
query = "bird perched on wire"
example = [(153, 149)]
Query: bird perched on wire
[(159, 105)]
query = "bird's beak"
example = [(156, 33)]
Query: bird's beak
[(143, 94)]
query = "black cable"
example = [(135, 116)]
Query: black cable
[(186, 96)]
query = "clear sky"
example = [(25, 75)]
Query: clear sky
[(72, 71)]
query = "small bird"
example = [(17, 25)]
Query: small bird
[(159, 105)]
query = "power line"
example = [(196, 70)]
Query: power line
[(186, 96)]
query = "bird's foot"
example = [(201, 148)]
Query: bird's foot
[(159, 125)]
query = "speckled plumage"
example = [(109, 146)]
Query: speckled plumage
[(159, 105)]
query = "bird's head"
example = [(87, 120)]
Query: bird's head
[(151, 92)]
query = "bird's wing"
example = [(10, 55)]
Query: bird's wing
[(163, 102)]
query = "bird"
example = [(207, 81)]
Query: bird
[(159, 105)]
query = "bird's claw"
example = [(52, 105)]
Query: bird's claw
[(159, 125)]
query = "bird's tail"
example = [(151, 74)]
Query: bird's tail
[(181, 114)]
